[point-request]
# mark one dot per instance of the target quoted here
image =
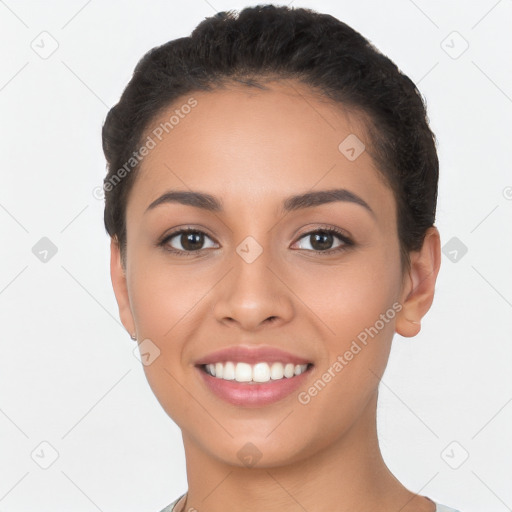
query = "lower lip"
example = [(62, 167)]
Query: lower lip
[(247, 394)]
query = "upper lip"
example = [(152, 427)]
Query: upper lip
[(251, 355)]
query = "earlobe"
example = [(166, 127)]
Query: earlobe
[(118, 276), (418, 291)]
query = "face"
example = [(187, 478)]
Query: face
[(314, 284)]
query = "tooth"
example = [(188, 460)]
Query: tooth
[(229, 371), (289, 370), (277, 371), (300, 368), (261, 372), (243, 372)]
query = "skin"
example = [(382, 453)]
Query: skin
[(252, 149)]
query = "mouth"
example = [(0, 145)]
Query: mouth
[(254, 373), (252, 376), (253, 385)]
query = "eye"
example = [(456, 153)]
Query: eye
[(190, 240), (321, 240), (184, 242)]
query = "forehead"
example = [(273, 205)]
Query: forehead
[(251, 146)]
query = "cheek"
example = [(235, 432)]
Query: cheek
[(164, 304), (163, 296), (169, 305), (351, 296), (357, 304)]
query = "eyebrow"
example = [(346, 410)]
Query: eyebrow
[(297, 202)]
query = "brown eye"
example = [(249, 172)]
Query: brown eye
[(191, 241), (185, 240), (322, 240)]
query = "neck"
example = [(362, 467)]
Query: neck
[(347, 476)]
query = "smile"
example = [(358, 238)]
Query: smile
[(252, 385), (259, 372)]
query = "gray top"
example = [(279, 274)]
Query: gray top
[(439, 507)]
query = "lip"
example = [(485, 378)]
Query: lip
[(251, 355), (250, 394)]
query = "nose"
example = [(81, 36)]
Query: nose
[(253, 294)]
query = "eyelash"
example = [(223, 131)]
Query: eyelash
[(347, 242)]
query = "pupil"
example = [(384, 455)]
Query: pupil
[(325, 244), (188, 242)]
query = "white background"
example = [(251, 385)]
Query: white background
[(67, 372)]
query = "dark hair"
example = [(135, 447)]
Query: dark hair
[(264, 43)]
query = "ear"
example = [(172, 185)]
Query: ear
[(118, 276), (419, 285)]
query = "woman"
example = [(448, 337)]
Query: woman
[(270, 197)]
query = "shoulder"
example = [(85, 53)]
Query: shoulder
[(170, 507), (439, 507), (444, 508)]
